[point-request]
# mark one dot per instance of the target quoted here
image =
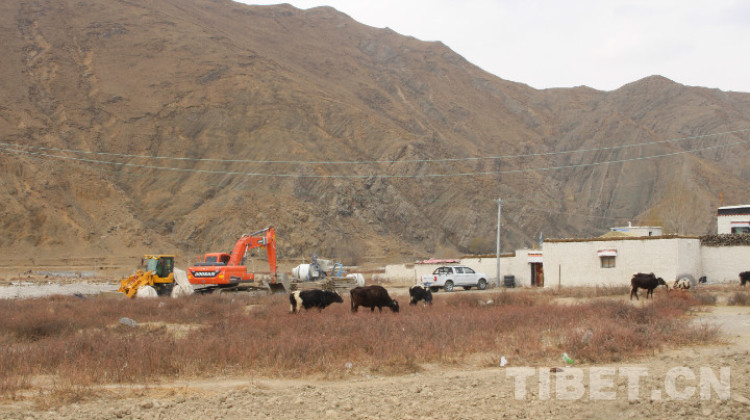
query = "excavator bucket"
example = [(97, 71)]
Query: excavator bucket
[(280, 285)]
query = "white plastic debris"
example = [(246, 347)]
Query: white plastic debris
[(183, 286), (503, 361), (146, 292)]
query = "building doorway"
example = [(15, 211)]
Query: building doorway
[(537, 275)]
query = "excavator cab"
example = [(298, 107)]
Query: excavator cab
[(156, 272)]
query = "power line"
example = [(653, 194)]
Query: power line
[(582, 165), (354, 176), (575, 214), (384, 161)]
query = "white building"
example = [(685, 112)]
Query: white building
[(611, 260), (524, 265), (638, 230), (733, 219)]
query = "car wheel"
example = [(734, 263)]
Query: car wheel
[(467, 287), (482, 284), (434, 289), (448, 286)]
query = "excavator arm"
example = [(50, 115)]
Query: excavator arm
[(265, 238)]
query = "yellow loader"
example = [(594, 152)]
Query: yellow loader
[(155, 277)]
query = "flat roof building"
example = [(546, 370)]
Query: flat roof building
[(733, 219)]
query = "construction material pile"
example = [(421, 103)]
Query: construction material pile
[(337, 284), (728, 239)]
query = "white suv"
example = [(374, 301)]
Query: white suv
[(448, 277)]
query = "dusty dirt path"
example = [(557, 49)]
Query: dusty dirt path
[(454, 393)]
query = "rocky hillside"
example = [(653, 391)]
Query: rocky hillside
[(178, 125)]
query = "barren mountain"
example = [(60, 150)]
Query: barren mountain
[(178, 125)]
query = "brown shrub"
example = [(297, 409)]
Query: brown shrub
[(739, 299), (706, 299), (590, 292)]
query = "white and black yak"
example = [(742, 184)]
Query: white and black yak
[(312, 299), (681, 283), (370, 297), (645, 281)]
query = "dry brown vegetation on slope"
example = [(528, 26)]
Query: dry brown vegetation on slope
[(221, 80)]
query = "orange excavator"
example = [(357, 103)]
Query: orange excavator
[(222, 272)]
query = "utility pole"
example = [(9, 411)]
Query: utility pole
[(497, 249)]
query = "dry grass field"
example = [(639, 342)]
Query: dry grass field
[(58, 344), (245, 356)]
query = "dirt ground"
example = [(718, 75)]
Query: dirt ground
[(461, 392)]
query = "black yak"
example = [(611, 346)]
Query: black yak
[(418, 293), (370, 297), (645, 281)]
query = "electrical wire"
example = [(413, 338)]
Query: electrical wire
[(374, 175), (384, 161)]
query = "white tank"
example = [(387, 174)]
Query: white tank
[(301, 272), (359, 279)]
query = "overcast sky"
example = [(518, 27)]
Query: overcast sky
[(602, 44)]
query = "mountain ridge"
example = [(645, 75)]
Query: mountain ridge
[(212, 91)]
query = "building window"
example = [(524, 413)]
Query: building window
[(608, 261), (741, 229), (607, 257)]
